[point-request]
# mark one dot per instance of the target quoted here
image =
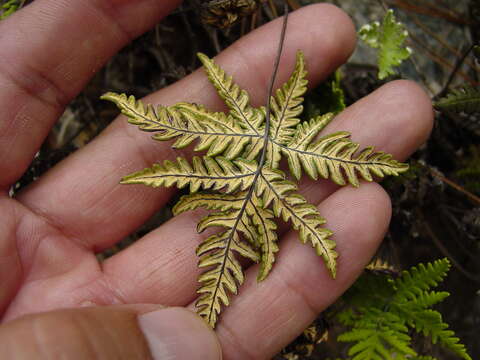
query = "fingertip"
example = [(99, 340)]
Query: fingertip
[(342, 38), (367, 207), (417, 103), (410, 111), (396, 118), (178, 333)]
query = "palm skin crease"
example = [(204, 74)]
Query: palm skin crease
[(52, 230)]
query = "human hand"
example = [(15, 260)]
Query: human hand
[(52, 230)]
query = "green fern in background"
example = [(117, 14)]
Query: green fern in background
[(466, 99), (328, 97), (9, 7), (381, 311), (388, 37)]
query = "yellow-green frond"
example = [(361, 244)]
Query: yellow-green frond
[(138, 113), (224, 274), (305, 218), (286, 105), (246, 195), (206, 173), (215, 132), (210, 201), (307, 131), (267, 235), (335, 157), (236, 99)]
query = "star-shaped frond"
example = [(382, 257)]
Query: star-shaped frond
[(238, 177)]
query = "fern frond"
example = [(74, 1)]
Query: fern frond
[(465, 99), (209, 201), (239, 173), (9, 7), (430, 323), (305, 218), (334, 156), (429, 298), (381, 337), (206, 173), (388, 38), (286, 105), (218, 251), (224, 274), (379, 305), (420, 278), (147, 117), (267, 236), (236, 99), (215, 132)]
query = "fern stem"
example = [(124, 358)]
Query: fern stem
[(269, 94), (445, 251), (457, 67), (262, 158)]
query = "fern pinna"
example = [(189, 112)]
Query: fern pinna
[(239, 176)]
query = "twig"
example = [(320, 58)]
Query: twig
[(442, 42), (457, 187), (383, 5), (435, 12), (421, 46), (273, 8), (294, 4), (457, 67), (447, 253)]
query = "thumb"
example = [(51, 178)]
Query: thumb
[(114, 332)]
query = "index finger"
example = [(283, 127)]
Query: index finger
[(48, 51)]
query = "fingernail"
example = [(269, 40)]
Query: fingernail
[(178, 333)]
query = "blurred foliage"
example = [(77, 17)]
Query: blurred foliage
[(380, 311), (466, 99), (389, 38), (328, 97), (469, 172), (9, 7)]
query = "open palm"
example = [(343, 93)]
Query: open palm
[(51, 231)]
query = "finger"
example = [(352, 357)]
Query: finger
[(168, 272), (299, 286), (116, 332), (10, 259), (49, 50), (90, 178)]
